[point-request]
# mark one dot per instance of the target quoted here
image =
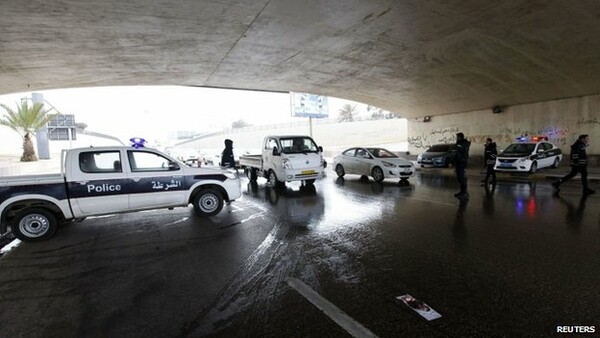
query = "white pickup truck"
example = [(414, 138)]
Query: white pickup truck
[(285, 159), (107, 180)]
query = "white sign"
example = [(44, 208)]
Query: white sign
[(309, 105)]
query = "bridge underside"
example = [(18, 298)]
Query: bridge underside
[(411, 57)]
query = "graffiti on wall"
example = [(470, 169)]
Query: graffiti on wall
[(556, 134), (593, 120), (439, 135), (560, 136)]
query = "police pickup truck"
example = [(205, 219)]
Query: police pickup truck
[(286, 159), (107, 180)]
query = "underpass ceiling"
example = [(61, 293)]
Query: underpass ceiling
[(414, 58)]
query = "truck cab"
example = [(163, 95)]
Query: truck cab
[(292, 158)]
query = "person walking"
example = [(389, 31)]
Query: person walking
[(489, 156), (462, 157), (227, 159), (578, 158)]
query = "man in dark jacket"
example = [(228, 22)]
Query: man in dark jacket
[(227, 159), (578, 164), (462, 156), (489, 156)]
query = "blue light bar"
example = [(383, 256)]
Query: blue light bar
[(137, 142), (522, 139)]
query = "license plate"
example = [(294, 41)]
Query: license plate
[(505, 165), (307, 172)]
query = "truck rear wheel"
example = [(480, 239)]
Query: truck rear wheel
[(252, 174), (208, 202), (34, 225)]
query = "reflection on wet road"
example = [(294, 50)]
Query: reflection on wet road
[(480, 262), (514, 260)]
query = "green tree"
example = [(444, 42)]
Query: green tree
[(346, 113), (26, 121)]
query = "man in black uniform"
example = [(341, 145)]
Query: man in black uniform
[(462, 156), (227, 159), (489, 156), (578, 164)]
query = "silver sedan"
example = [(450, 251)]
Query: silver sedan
[(378, 163)]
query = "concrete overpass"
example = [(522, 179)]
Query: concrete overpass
[(537, 60)]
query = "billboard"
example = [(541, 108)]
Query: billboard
[(309, 105)]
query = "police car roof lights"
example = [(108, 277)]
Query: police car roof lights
[(137, 142), (536, 138)]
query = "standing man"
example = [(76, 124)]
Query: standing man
[(489, 156), (462, 156), (227, 159), (578, 164)]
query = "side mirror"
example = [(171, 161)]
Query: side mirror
[(173, 166), (540, 150), (320, 149), (275, 151)]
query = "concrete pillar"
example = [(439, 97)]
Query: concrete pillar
[(41, 136)]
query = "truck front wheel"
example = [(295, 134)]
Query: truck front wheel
[(208, 202), (275, 183), (33, 225)]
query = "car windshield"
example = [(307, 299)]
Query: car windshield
[(295, 145), (439, 148), (520, 148), (381, 153)]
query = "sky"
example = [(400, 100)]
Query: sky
[(153, 112)]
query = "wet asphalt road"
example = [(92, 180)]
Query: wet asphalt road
[(516, 260)]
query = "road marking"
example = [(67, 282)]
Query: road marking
[(351, 326), (15, 243), (177, 221)]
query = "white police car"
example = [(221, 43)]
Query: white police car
[(528, 155)]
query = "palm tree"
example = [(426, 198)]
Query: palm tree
[(346, 114), (26, 121)]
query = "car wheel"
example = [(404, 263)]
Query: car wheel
[(556, 163), (377, 174), (35, 224), (208, 202), (533, 167), (275, 183), (339, 170), (447, 163)]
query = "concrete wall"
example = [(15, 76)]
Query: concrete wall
[(332, 136), (561, 120)]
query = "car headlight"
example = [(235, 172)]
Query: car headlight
[(419, 158), (286, 164), (522, 159), (438, 159), (388, 164), (231, 175)]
